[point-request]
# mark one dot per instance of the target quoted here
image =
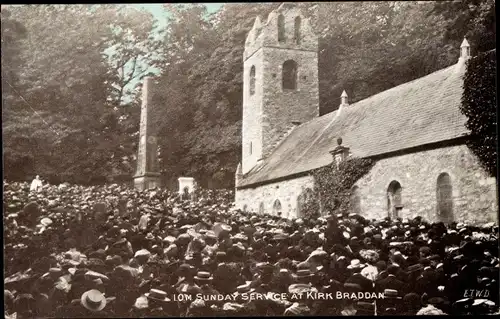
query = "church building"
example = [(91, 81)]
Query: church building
[(415, 132)]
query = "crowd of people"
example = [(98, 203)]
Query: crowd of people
[(112, 251)]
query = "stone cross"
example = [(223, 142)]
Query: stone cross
[(147, 174)]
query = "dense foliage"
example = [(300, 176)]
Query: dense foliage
[(77, 66), (479, 104), (333, 184)]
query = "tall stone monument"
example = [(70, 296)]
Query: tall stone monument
[(147, 174)]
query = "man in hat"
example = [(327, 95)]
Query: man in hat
[(92, 304), (158, 303), (357, 278), (204, 280), (391, 281)]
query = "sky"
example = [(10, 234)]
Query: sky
[(161, 14)]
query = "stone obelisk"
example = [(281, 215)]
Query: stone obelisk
[(147, 174)]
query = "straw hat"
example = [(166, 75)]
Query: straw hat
[(93, 300), (203, 276), (301, 288), (355, 264), (142, 252), (158, 295)]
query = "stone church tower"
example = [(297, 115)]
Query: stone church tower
[(280, 85)]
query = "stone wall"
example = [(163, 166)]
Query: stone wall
[(287, 192), (280, 106), (269, 112), (474, 194), (251, 129)]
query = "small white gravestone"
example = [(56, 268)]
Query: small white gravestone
[(186, 185)]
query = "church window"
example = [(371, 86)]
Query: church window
[(252, 80), (444, 194), (281, 28), (276, 207), (297, 30), (394, 199), (289, 79), (250, 148), (355, 200), (245, 208), (261, 208)]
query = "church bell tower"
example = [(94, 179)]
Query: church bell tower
[(280, 85)]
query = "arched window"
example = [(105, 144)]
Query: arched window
[(276, 207), (289, 76), (252, 80), (394, 199), (245, 207), (250, 148), (297, 30), (281, 28), (261, 208), (355, 200), (444, 196)]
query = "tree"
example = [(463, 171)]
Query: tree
[(474, 19), (134, 48), (480, 107), (12, 34), (69, 85)]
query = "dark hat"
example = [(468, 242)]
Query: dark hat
[(415, 267), (120, 242), (220, 254), (185, 268), (437, 301), (463, 303), (392, 269), (99, 254), (351, 287), (412, 298), (434, 257), (365, 306), (425, 250), (95, 262), (391, 294), (303, 273)]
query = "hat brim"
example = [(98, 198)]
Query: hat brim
[(356, 267), (204, 279), (148, 295), (84, 303)]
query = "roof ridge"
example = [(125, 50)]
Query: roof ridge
[(388, 90)]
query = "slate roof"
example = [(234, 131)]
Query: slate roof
[(420, 112)]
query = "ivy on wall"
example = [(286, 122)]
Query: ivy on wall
[(333, 184), (479, 105)]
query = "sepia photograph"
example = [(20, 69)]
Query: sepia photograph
[(250, 159)]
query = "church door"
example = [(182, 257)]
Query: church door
[(444, 196), (394, 200)]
